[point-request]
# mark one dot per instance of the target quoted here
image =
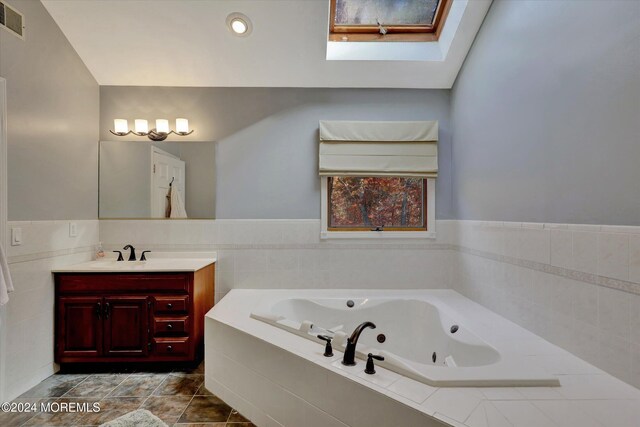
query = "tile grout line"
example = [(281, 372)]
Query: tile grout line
[(229, 417), (89, 376), (38, 256), (32, 416), (153, 391), (186, 407), (65, 393), (576, 275)]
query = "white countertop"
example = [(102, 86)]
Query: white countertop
[(157, 264)]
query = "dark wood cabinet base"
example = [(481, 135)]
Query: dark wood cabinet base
[(132, 317)]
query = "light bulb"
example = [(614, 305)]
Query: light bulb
[(239, 26), (162, 126), (142, 126), (182, 125), (120, 126)]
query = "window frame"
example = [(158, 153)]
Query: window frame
[(337, 233), (398, 33)]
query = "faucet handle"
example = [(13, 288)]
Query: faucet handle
[(328, 349), (370, 369), (142, 257), (120, 257)]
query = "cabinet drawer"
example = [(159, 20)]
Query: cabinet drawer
[(123, 282), (171, 304), (171, 346), (170, 325)]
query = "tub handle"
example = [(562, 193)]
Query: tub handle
[(370, 369), (328, 349)]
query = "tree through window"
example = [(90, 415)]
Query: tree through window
[(364, 203)]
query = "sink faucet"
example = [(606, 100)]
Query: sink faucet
[(349, 358), (132, 254)]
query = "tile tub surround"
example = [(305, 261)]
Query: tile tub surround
[(28, 350), (276, 378), (575, 285), (177, 397), (289, 254)]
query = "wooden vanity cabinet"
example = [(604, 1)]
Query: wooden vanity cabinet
[(132, 317)]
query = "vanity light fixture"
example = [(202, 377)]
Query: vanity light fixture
[(159, 133), (239, 24)]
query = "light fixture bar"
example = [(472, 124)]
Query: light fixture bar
[(159, 133)]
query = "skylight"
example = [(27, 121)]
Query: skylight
[(387, 20), (427, 42)]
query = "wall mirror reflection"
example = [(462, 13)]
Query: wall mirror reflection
[(146, 179)]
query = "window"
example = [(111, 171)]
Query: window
[(389, 203), (387, 20), (377, 178), (377, 207)]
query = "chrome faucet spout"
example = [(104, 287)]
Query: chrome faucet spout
[(349, 358)]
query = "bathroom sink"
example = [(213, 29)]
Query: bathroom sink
[(119, 265), (152, 265)]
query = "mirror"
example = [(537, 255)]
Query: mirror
[(147, 179)]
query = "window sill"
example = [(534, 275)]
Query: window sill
[(326, 235)]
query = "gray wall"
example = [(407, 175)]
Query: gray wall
[(200, 179), (53, 117), (267, 138), (546, 115), (125, 179)]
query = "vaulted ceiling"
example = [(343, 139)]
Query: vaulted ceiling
[(187, 43)]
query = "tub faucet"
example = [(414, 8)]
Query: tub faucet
[(349, 358), (132, 254)]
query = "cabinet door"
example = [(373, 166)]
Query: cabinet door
[(126, 326), (79, 327)]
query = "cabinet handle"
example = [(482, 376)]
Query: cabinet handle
[(106, 310), (169, 306), (169, 326), (169, 348), (98, 309)]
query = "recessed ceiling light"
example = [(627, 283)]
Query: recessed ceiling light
[(239, 24)]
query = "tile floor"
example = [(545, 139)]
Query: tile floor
[(177, 397)]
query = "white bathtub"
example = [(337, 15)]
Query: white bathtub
[(419, 336), (275, 373)]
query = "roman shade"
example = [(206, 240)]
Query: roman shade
[(379, 148)]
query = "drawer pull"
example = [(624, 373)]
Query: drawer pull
[(169, 326), (169, 348), (172, 304)]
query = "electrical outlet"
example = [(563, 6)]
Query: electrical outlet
[(73, 229), (16, 236)]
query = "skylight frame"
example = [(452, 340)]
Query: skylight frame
[(403, 33)]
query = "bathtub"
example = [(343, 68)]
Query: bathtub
[(263, 358), (418, 335)]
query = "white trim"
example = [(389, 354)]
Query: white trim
[(431, 219), (155, 149), (3, 224)]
